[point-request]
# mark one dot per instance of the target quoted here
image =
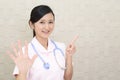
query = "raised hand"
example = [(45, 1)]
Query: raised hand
[(71, 49), (21, 59)]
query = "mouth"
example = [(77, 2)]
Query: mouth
[(46, 32)]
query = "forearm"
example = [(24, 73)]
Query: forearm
[(69, 68)]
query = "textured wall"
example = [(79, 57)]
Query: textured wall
[(96, 21)]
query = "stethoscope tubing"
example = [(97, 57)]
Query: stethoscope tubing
[(46, 65), (37, 52)]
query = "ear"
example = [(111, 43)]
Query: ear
[(31, 25)]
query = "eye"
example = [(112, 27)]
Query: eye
[(42, 22), (51, 22)]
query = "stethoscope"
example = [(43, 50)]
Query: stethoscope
[(46, 65)]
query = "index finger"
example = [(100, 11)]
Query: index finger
[(74, 39)]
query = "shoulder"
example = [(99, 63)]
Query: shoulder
[(60, 44)]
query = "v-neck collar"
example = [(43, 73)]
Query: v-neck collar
[(40, 48)]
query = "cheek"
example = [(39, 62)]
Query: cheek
[(52, 27), (38, 27)]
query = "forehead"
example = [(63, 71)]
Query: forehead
[(48, 16)]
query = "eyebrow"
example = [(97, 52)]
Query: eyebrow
[(48, 20)]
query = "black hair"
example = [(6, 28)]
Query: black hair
[(38, 12)]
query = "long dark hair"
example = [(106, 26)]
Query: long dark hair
[(38, 12)]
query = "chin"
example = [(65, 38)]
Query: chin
[(46, 36)]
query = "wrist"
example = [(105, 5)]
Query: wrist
[(69, 57), (22, 76), (69, 54)]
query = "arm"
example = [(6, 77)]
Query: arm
[(69, 68), (69, 53)]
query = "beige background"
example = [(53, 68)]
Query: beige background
[(96, 21)]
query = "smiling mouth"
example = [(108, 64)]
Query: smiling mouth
[(46, 32)]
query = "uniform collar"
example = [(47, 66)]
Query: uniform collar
[(40, 48)]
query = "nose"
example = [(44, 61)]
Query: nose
[(47, 26)]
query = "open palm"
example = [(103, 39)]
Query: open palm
[(21, 59)]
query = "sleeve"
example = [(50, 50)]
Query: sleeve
[(63, 47), (61, 58), (64, 51)]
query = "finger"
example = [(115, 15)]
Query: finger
[(14, 49), (33, 58), (20, 47), (26, 48), (74, 39), (11, 56), (71, 48), (71, 45)]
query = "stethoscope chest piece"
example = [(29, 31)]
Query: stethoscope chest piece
[(46, 65)]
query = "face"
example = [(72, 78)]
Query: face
[(44, 27)]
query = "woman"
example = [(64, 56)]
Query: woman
[(37, 60)]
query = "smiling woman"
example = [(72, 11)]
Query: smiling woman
[(39, 56), (43, 28)]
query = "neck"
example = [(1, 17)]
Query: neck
[(43, 41)]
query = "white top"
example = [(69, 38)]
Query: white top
[(38, 72)]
